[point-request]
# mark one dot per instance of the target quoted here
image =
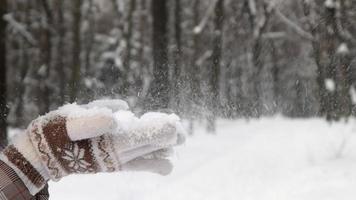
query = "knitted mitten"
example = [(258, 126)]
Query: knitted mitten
[(91, 139)]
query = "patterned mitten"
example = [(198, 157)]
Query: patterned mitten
[(91, 139)]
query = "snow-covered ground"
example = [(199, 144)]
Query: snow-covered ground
[(267, 159)]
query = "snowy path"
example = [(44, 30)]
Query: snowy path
[(269, 159)]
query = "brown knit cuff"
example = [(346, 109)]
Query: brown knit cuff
[(17, 159), (28, 168)]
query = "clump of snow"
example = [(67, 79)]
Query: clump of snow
[(353, 94), (152, 128), (343, 49), (114, 105), (330, 4), (197, 30), (97, 117), (74, 111), (159, 119), (330, 84), (126, 120), (42, 70), (267, 159), (14, 131)]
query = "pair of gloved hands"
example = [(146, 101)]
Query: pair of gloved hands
[(102, 136)]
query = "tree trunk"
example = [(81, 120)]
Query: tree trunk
[(258, 26), (193, 73), (258, 66), (311, 27), (195, 68), (299, 105), (60, 50), (176, 82), (46, 59), (331, 55), (75, 77), (275, 72), (24, 68), (3, 85), (127, 58), (216, 65), (139, 76), (158, 97)]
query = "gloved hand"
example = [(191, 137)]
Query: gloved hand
[(91, 139)]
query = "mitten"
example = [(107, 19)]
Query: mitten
[(90, 139)]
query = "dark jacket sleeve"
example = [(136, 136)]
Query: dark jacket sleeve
[(42, 195), (11, 186)]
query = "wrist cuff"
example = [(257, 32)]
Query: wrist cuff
[(22, 158)]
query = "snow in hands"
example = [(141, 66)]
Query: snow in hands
[(160, 129)]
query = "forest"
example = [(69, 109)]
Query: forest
[(204, 59)]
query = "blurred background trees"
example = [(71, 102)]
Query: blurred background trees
[(3, 82), (202, 59)]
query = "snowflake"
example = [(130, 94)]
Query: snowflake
[(75, 157)]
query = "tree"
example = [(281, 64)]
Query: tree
[(3, 81), (216, 64), (24, 69), (76, 27), (275, 71), (60, 49), (158, 96), (177, 65), (46, 58), (128, 54), (195, 70), (258, 23), (331, 55)]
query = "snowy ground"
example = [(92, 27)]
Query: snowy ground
[(267, 159)]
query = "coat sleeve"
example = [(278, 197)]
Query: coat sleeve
[(11, 186)]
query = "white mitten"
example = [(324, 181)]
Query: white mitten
[(89, 139)]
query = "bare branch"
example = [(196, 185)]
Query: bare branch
[(198, 29), (20, 28), (294, 26), (274, 35)]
